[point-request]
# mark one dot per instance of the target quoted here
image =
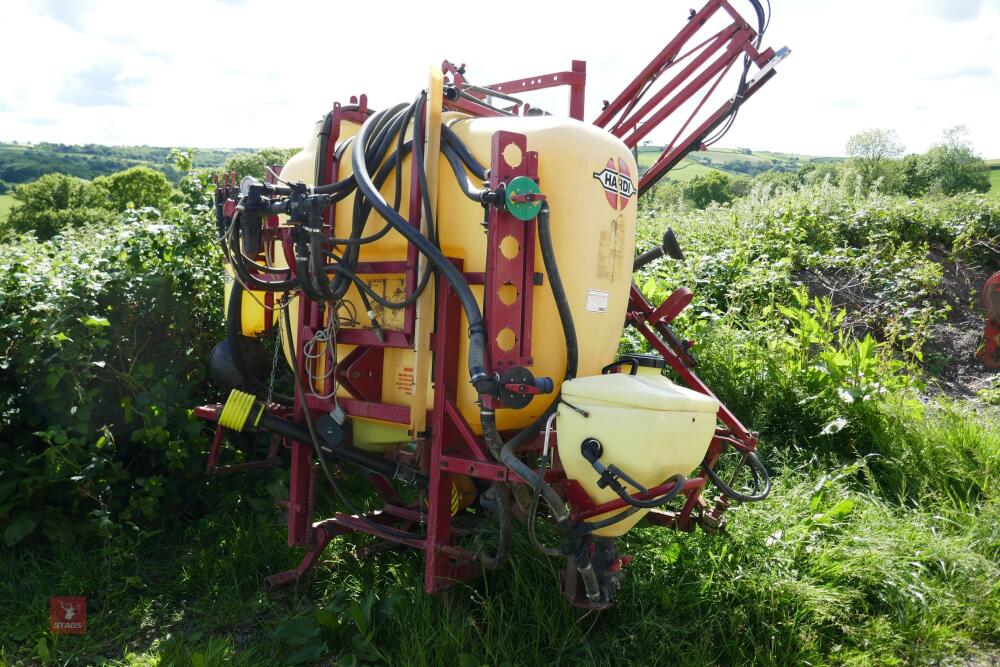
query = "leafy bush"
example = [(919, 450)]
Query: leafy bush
[(105, 332), (138, 187), (871, 254), (54, 202), (256, 164), (701, 191)]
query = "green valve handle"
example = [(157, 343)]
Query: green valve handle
[(523, 198)]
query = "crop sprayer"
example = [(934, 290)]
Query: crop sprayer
[(448, 280)]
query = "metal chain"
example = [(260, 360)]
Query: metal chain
[(274, 368)]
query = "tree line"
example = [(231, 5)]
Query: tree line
[(876, 160)]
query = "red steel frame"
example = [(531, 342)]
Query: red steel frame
[(451, 448), (710, 61)]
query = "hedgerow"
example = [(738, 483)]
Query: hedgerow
[(105, 329)]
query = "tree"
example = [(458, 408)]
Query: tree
[(952, 166), (56, 201), (818, 172), (871, 156), (701, 191), (137, 187), (914, 177), (255, 164), (778, 179)]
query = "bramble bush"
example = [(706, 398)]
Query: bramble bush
[(871, 253), (810, 312), (106, 329)]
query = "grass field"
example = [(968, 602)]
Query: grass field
[(726, 160), (6, 202)]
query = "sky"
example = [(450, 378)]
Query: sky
[(239, 73)]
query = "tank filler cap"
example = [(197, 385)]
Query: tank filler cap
[(648, 360)]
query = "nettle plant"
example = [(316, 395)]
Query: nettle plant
[(105, 331)]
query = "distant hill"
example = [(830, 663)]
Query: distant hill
[(21, 163), (731, 161)]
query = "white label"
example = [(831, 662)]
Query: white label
[(597, 301)]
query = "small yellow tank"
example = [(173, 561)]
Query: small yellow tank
[(649, 427)]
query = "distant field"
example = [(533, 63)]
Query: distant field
[(6, 201), (734, 162)]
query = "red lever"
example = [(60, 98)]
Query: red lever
[(518, 388), (672, 306), (527, 198)]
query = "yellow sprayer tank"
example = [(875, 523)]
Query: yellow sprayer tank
[(593, 235)]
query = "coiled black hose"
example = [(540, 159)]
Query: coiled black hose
[(759, 472)]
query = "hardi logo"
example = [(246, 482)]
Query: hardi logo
[(68, 615), (617, 183)]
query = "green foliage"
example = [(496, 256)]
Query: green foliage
[(342, 622), (870, 254), (952, 166), (25, 163), (138, 187), (54, 202), (256, 164), (701, 191), (106, 330), (872, 158)]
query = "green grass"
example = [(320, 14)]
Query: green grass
[(995, 182), (725, 160), (821, 573), (6, 202)]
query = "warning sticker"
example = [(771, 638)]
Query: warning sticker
[(597, 301), (404, 379), (392, 289)]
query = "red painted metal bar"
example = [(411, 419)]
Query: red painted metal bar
[(439, 569), (496, 472), (659, 62), (728, 57), (668, 160), (640, 311), (731, 35), (513, 313)]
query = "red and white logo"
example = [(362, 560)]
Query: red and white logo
[(617, 183), (67, 615)]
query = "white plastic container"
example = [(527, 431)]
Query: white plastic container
[(649, 427)]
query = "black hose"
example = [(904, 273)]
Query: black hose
[(504, 514), (477, 337), (650, 503), (458, 168), (759, 472), (470, 161)]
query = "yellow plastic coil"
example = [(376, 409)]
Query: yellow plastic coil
[(236, 410)]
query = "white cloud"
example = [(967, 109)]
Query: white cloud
[(254, 73)]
